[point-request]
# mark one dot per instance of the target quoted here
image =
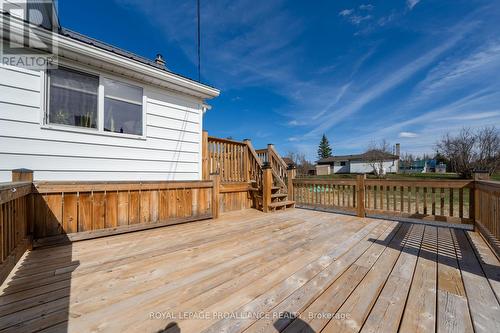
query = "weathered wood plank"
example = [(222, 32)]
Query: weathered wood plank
[(420, 310)]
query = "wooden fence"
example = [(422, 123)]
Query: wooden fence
[(15, 201), (72, 211), (436, 200)]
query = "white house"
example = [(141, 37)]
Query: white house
[(101, 114), (361, 163)]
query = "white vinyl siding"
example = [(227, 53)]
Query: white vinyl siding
[(170, 149), (364, 167)]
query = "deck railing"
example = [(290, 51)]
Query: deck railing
[(325, 193), (79, 210), (487, 211), (228, 158), (278, 166), (420, 198), (439, 200), (14, 224)]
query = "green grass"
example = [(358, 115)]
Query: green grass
[(391, 176), (408, 176)]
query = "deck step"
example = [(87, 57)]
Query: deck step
[(280, 204), (273, 196)]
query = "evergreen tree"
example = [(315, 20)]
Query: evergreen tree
[(324, 149)]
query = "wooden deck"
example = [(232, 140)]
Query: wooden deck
[(293, 271)]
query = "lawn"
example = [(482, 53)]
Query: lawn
[(423, 176)]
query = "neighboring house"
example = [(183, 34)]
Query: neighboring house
[(103, 114), (360, 163)]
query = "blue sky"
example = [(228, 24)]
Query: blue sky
[(406, 71)]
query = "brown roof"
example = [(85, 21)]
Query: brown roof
[(359, 157)]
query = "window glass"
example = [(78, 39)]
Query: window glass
[(73, 98), (122, 108)]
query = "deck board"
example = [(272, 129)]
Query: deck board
[(292, 271)]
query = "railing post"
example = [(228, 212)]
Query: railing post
[(215, 194), (290, 175), (246, 159), (269, 154), (26, 175), (266, 186), (22, 175), (474, 199), (205, 167), (360, 198)]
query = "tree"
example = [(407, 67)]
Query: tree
[(376, 155), (472, 150), (302, 165), (324, 149)]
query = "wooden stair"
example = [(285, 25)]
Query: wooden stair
[(279, 199)]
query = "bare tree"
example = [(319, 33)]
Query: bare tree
[(376, 155), (470, 150), (300, 161), (488, 154)]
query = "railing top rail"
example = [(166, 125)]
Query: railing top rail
[(320, 181), (419, 182), (14, 190), (278, 157), (234, 142), (254, 153), (488, 185), (12, 185), (72, 187)]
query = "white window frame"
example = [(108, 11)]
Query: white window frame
[(100, 105)]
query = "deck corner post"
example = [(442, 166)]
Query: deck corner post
[(474, 200), (360, 197), (267, 184), (215, 194), (205, 168), (290, 175), (22, 175)]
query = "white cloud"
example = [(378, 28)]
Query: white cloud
[(346, 12), (480, 66), (412, 3), (368, 6), (391, 81), (357, 19), (407, 135)]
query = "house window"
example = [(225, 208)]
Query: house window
[(73, 98), (122, 108), (342, 163)]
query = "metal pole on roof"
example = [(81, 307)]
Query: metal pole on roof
[(199, 41)]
